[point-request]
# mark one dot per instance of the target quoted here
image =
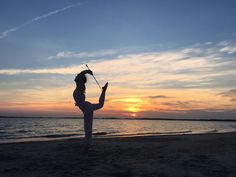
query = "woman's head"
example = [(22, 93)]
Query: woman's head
[(80, 81)]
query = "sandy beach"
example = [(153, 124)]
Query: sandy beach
[(162, 156)]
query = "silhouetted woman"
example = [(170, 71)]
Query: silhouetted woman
[(86, 107)]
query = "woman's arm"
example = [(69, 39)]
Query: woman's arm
[(86, 72), (80, 77)]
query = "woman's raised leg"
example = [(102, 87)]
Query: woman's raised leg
[(101, 98)]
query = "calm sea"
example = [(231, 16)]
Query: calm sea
[(35, 129)]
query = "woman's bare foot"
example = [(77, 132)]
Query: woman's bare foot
[(104, 88)]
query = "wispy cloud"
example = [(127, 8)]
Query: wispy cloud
[(93, 54), (230, 94), (228, 47), (8, 31), (181, 79), (200, 66), (100, 54), (65, 70), (157, 97)]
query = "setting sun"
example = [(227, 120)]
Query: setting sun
[(133, 115)]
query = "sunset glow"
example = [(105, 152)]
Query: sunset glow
[(154, 69)]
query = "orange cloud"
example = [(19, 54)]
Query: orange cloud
[(188, 79)]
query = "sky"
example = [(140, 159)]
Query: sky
[(162, 59)]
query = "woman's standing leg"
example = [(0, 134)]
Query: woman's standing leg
[(88, 124)]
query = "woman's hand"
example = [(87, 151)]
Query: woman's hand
[(90, 72)]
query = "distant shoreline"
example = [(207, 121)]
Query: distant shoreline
[(120, 118)]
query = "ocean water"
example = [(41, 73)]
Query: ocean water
[(36, 129)]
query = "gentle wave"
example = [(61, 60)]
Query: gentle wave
[(36, 129), (22, 131), (210, 131), (143, 134), (57, 136), (95, 134), (100, 133), (43, 136)]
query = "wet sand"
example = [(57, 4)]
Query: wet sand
[(153, 156)]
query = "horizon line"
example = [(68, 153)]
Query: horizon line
[(124, 118)]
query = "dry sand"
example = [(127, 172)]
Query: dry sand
[(164, 156)]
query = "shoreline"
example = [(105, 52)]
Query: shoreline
[(101, 135), (198, 155)]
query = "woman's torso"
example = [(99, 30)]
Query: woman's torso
[(79, 97)]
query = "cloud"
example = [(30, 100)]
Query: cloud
[(193, 114), (194, 80), (65, 70), (199, 66), (157, 96), (8, 31), (93, 54), (228, 47), (182, 104), (230, 94), (98, 54)]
